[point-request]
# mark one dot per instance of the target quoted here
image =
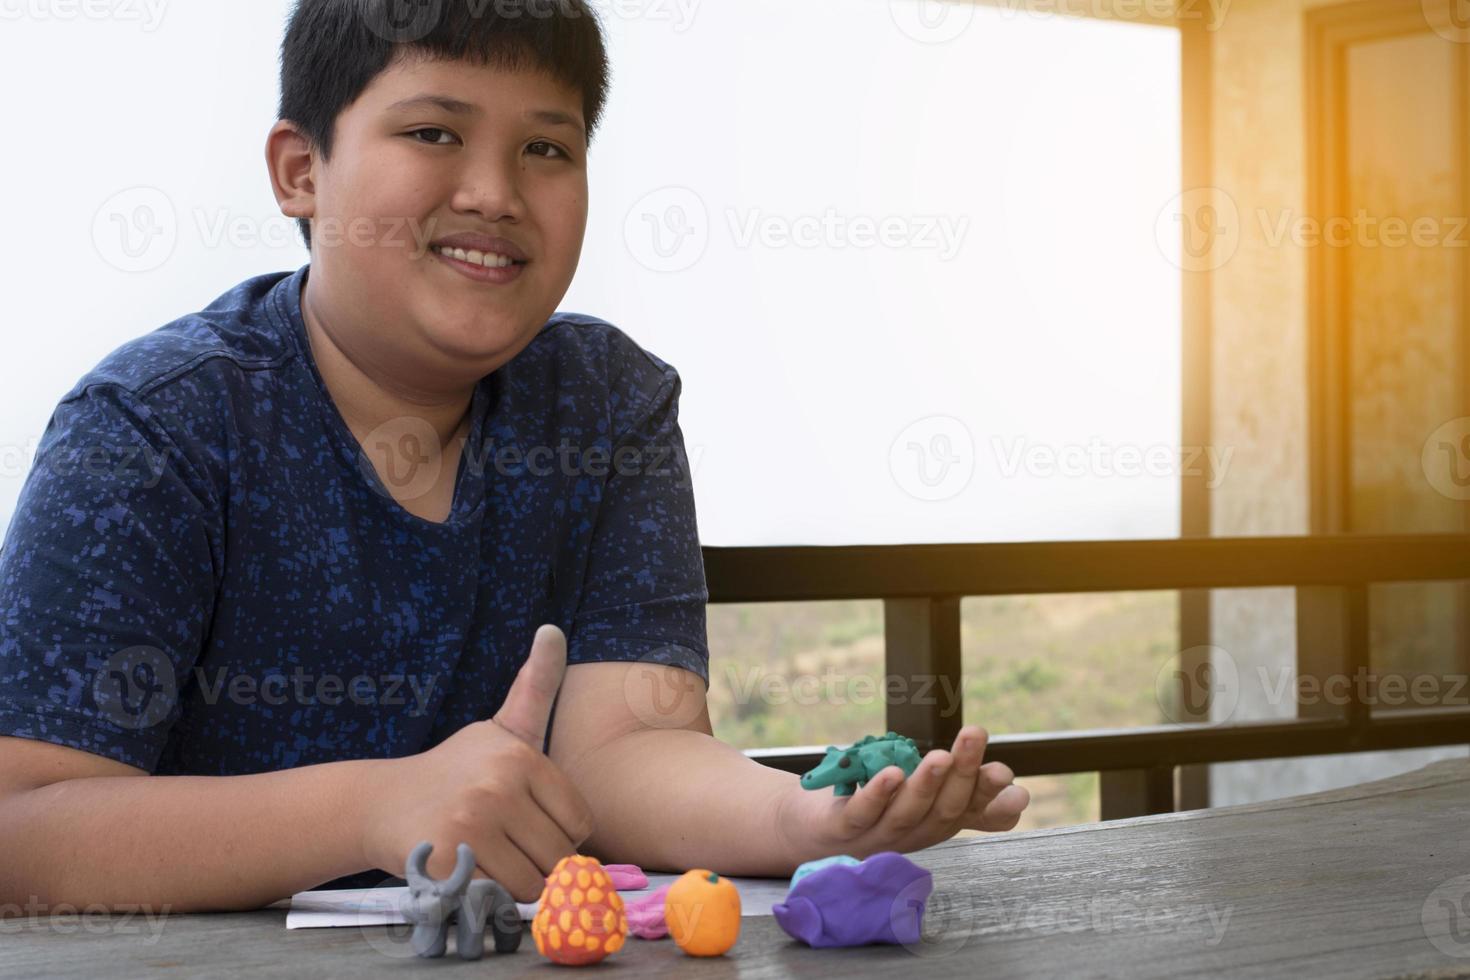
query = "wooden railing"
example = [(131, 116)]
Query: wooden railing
[(921, 587)]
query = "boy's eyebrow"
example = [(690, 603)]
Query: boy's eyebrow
[(444, 102), (552, 117), (457, 107)]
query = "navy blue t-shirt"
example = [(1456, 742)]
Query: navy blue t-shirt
[(205, 575)]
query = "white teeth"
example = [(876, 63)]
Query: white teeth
[(489, 260)]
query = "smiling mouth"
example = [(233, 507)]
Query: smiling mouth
[(489, 260), (481, 267)]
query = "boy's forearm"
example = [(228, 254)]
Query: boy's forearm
[(182, 843), (701, 804)]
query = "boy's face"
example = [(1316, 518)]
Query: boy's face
[(512, 166)]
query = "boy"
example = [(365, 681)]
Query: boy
[(285, 557)]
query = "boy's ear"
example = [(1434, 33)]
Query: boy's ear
[(291, 164)]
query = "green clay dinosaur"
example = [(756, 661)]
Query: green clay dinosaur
[(847, 769)]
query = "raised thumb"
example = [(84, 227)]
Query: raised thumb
[(527, 708)]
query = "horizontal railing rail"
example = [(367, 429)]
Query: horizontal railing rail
[(790, 574), (921, 587)]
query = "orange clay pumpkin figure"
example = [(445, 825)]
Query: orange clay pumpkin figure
[(581, 916), (702, 911)]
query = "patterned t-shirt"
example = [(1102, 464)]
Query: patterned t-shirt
[(206, 575)]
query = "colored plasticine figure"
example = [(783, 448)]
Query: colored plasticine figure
[(430, 903), (879, 900), (847, 769), (820, 863), (581, 918)]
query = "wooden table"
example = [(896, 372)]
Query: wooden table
[(1371, 881)]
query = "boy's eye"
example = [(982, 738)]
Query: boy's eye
[(543, 148), (431, 129)]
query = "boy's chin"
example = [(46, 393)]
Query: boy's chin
[(486, 337)]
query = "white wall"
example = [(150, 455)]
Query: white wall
[(1023, 306)]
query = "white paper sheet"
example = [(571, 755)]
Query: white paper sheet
[(379, 906)]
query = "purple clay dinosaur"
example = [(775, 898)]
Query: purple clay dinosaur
[(880, 900)]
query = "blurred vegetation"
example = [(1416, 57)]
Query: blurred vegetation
[(784, 674)]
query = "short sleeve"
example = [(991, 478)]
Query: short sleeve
[(644, 595), (107, 581)]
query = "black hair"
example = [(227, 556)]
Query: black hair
[(333, 49)]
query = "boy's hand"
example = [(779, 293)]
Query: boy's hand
[(488, 785), (948, 792)]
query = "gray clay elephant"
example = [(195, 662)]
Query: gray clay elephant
[(474, 902)]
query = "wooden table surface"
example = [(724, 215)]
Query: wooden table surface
[(1370, 881)]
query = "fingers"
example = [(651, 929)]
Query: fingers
[(495, 857), (1004, 811), (527, 707), (508, 865), (910, 806), (997, 801), (538, 836), (555, 795), (863, 809), (956, 795), (994, 777)]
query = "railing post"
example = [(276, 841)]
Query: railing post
[(1136, 792), (1333, 653), (922, 684), (1194, 656)]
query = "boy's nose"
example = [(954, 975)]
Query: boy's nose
[(493, 192)]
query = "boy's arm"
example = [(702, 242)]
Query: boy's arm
[(79, 829), (84, 830), (636, 739)]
